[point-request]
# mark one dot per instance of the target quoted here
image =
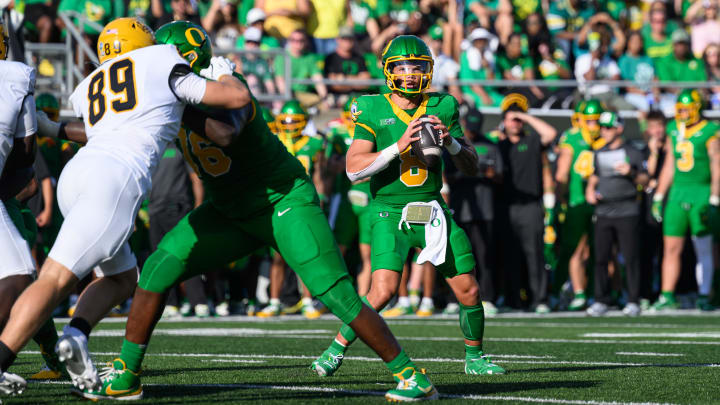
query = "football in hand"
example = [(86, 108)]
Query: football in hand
[(429, 147)]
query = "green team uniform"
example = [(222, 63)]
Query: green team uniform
[(257, 195), (407, 180), (687, 204), (578, 219), (23, 219), (305, 150)]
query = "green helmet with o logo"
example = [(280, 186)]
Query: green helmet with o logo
[(191, 40), (407, 50)]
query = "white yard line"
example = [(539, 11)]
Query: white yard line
[(232, 361), (649, 354), (380, 393), (713, 335), (499, 359)]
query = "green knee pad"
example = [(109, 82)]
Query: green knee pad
[(161, 271), (342, 300), (472, 321), (346, 331)]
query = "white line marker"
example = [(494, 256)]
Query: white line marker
[(713, 335), (380, 393), (232, 361), (649, 354)]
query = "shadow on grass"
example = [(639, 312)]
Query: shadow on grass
[(242, 367), (486, 387)]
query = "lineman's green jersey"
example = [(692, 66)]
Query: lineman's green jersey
[(246, 177), (582, 164), (406, 179), (691, 181)]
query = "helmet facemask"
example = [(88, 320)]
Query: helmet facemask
[(291, 125), (408, 74)]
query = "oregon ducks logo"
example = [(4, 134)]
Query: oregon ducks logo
[(194, 36)]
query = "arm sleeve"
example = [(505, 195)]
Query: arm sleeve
[(186, 85), (27, 121)]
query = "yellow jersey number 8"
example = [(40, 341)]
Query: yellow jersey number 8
[(413, 172), (121, 76)]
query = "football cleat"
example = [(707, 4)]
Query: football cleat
[(542, 309), (578, 302), (425, 310), (452, 309), (482, 365), (490, 309), (118, 383), (397, 310), (703, 303), (202, 310), (171, 311), (269, 311), (664, 303), (631, 309), (222, 309), (12, 384), (413, 385), (46, 374), (328, 363), (72, 350), (597, 309)]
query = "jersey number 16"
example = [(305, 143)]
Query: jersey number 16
[(122, 84)]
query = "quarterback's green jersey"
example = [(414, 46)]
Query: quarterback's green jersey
[(692, 161), (248, 176), (581, 167), (406, 179)]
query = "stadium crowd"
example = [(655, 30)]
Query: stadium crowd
[(542, 238)]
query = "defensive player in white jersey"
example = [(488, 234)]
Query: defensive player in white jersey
[(131, 106)]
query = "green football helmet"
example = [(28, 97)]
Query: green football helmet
[(192, 42), (269, 119), (589, 118), (688, 107), (292, 119), (575, 117), (405, 57), (49, 104)]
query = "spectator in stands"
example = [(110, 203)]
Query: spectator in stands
[(221, 22), (181, 10), (513, 65), (656, 36), (600, 23), (446, 14), (364, 23), (536, 31), (395, 11), (551, 65), (514, 12), (325, 21), (637, 67), (565, 19), (711, 57), (255, 68), (445, 69), (303, 65), (471, 198), (478, 62), (702, 16), (484, 11), (256, 19), (680, 66), (521, 217), (599, 65), (285, 16), (97, 11), (618, 171), (40, 19), (345, 63)]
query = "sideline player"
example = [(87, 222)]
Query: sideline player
[(131, 106), (407, 208), (258, 195), (691, 172), (574, 167)]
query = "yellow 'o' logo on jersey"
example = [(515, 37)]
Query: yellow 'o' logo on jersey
[(194, 36)]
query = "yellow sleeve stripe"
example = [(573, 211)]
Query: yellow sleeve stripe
[(365, 127), (566, 146)]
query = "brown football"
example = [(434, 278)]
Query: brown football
[(429, 147)]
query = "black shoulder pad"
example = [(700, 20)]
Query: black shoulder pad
[(179, 70)]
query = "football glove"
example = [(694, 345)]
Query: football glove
[(219, 66)]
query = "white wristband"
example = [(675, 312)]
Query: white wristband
[(714, 200), (454, 146), (549, 201), (658, 197)]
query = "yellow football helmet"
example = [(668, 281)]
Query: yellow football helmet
[(121, 36), (688, 107), (3, 41)]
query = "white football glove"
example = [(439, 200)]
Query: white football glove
[(219, 66), (46, 127)]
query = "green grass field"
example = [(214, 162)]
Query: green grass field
[(551, 359)]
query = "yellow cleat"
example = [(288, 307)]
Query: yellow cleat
[(46, 374), (397, 311)]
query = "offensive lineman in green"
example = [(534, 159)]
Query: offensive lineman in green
[(258, 195), (407, 208), (692, 166), (574, 167)]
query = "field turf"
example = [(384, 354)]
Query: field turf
[(550, 359)]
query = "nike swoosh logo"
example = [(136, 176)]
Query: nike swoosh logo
[(281, 213), (111, 392)]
